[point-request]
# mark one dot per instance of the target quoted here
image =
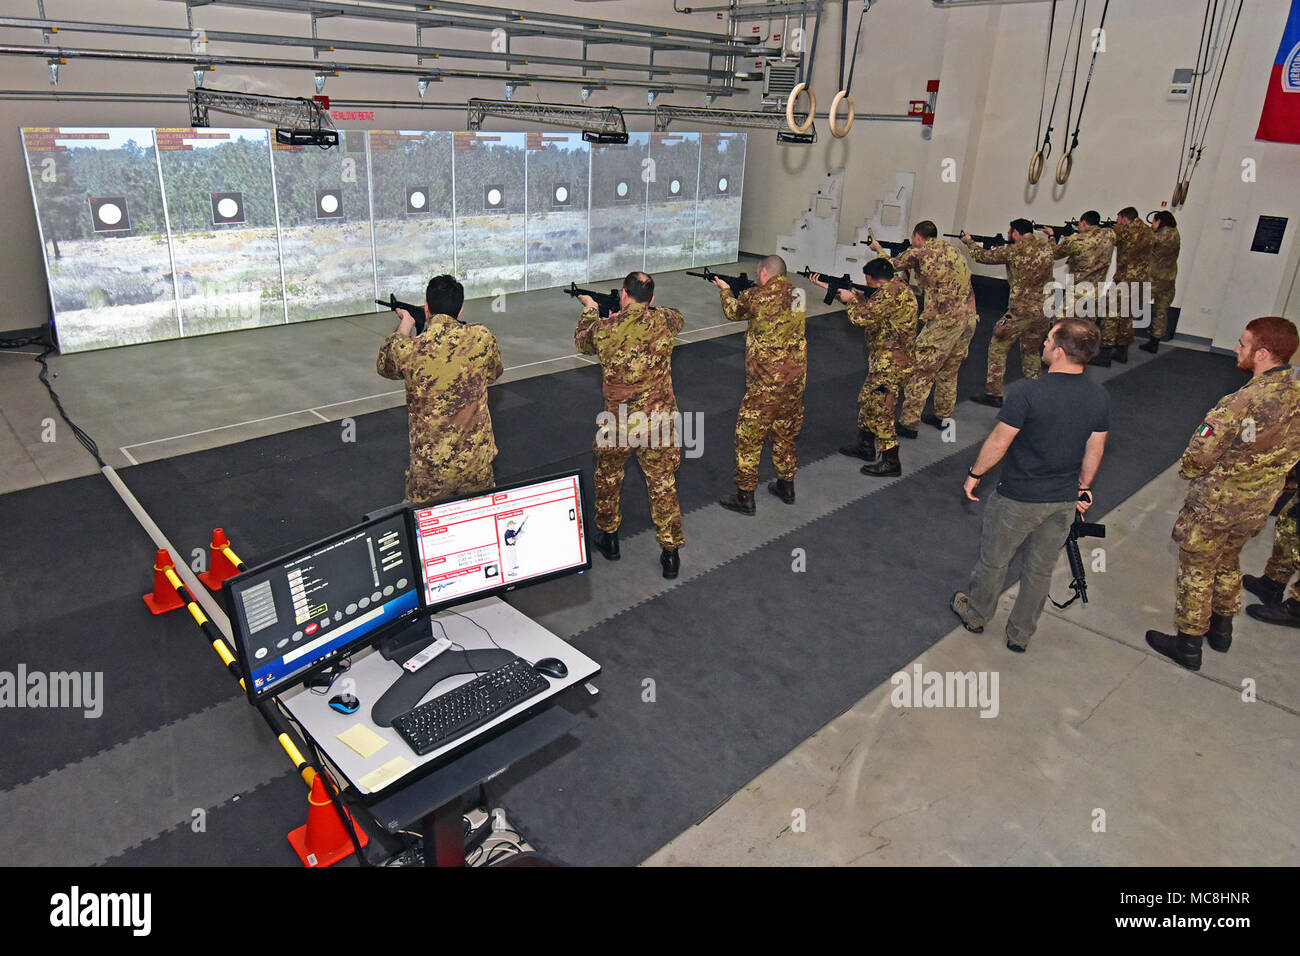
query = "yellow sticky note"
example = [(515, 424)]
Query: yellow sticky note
[(363, 740), (386, 774)]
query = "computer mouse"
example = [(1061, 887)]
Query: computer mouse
[(551, 667), (345, 703)]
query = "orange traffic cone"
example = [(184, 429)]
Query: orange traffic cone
[(323, 840), (164, 597), (220, 566)]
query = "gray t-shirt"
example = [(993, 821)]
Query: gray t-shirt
[(1056, 415)]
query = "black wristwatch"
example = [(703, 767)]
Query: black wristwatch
[(973, 475)]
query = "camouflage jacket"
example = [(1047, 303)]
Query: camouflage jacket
[(1165, 243), (1029, 271), (1239, 457), (635, 348), (776, 349), (447, 370), (888, 320), (944, 277), (1089, 255), (1132, 251)]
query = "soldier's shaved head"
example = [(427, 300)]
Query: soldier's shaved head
[(639, 286), (773, 266)]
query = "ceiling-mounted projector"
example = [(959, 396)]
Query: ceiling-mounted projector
[(324, 138), (603, 136)]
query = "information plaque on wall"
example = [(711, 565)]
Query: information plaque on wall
[(1268, 234)]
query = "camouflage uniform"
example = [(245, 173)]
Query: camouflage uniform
[(635, 347), (447, 370), (1029, 272), (1087, 258), (776, 369), (888, 320), (1284, 562), (950, 319), (1164, 272), (1132, 262), (1234, 485)]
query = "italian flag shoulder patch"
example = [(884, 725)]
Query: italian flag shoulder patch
[(1205, 431)]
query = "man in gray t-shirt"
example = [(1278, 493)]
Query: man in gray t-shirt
[(1052, 431)]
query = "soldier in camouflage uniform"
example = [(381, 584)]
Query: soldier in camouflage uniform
[(635, 347), (1132, 265), (888, 320), (1282, 565), (949, 317), (776, 369), (447, 370), (1164, 274), (1237, 462), (1028, 258), (1087, 260)]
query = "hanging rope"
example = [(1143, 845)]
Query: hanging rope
[(1194, 97), (1040, 158), (1198, 141), (1036, 164), (806, 85), (1066, 165), (844, 93)]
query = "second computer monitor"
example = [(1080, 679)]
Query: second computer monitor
[(490, 543)]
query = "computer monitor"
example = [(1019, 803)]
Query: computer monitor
[(515, 535), (295, 615)]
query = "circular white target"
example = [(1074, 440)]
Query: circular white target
[(417, 200), (675, 186), (621, 189), (561, 194), (227, 208), (110, 214), (329, 203), (722, 184), (494, 197)]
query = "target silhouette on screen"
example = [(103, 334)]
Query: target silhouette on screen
[(675, 187), (227, 208), (109, 214), (417, 200), (622, 191), (723, 184), (329, 204), (494, 197), (561, 195)]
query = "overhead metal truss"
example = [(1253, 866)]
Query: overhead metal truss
[(606, 120), (285, 111)]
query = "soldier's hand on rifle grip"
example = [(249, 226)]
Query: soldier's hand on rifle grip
[(720, 284), (1085, 500), (407, 324), (587, 302), (846, 296)]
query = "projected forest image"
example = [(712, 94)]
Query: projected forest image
[(157, 234)]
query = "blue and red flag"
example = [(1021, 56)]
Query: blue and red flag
[(1280, 121)]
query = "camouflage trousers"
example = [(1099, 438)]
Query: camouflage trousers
[(877, 405), (768, 414), (659, 465), (1209, 582), (1117, 330), (424, 488), (1162, 296), (1030, 329), (1284, 562), (940, 349)]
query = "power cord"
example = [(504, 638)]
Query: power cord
[(47, 344)]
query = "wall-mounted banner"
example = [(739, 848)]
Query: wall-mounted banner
[(1280, 121)]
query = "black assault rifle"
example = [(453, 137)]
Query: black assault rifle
[(834, 284), (895, 248), (1080, 529), (607, 302), (738, 283), (988, 242), (417, 311)]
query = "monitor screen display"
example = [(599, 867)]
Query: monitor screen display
[(514, 535), (298, 613)]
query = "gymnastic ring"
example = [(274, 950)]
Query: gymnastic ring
[(835, 105), (1036, 167), (1178, 191), (1182, 197), (812, 108), (1064, 168)]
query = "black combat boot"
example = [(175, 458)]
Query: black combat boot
[(864, 449), (1151, 345), (1184, 649), (782, 489), (741, 502), (1103, 357), (930, 418), (1287, 613), (1120, 354), (1219, 636), (671, 563), (1266, 589), (903, 431), (886, 466), (992, 401), (607, 544)]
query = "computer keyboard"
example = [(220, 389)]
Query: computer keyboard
[(451, 715)]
